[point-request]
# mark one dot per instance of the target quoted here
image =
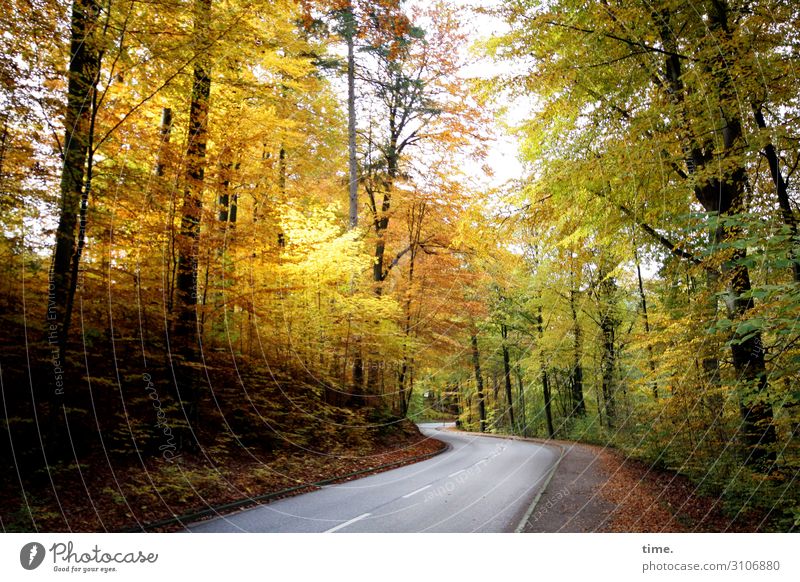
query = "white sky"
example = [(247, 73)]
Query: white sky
[(503, 155)]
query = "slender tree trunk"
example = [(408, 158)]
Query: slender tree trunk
[(350, 33), (643, 298), (476, 361), (165, 131), (3, 143), (357, 396), (498, 413), (781, 189), (406, 394), (185, 331), (578, 401), (227, 202), (401, 389), (608, 327), (548, 412), (507, 377), (521, 411), (282, 171), (84, 67), (154, 198)]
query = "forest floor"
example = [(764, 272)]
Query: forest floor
[(597, 489), (131, 497)]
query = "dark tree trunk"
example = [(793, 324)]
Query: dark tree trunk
[(186, 330), (607, 371), (401, 389), (578, 401), (165, 131), (608, 328), (357, 391), (521, 413), (548, 411), (507, 377), (84, 67), (227, 202), (727, 198), (498, 413), (758, 429), (382, 216), (476, 361), (643, 298), (381, 226), (3, 145), (350, 33), (282, 171), (781, 189)]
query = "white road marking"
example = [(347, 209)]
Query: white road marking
[(345, 524), (417, 491), (456, 473)]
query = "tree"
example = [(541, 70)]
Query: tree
[(476, 362), (83, 76), (675, 59), (186, 285)]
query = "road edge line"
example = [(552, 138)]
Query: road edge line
[(521, 525), (219, 511)]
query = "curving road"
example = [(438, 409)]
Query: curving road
[(481, 484)]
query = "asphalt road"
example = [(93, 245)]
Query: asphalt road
[(481, 484)]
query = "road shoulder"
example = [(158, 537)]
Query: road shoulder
[(570, 502), (598, 489)]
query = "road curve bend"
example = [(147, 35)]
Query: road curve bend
[(480, 484)]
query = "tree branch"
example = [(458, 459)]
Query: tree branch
[(665, 242), (628, 41)]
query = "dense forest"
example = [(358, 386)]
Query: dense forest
[(262, 238)]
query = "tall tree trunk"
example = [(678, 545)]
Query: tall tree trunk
[(781, 189), (726, 197), (521, 412), (476, 361), (282, 172), (3, 143), (165, 131), (381, 225), (415, 229), (548, 411), (84, 67), (643, 299), (379, 271), (607, 371), (498, 413), (357, 396), (350, 33), (758, 429), (227, 203), (507, 377), (608, 328), (578, 401), (185, 330)]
